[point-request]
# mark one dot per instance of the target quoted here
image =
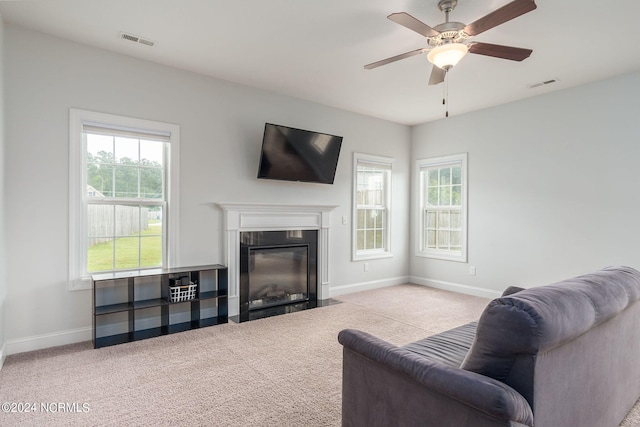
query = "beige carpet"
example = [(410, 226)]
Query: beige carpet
[(280, 371)]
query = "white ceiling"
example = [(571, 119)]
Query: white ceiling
[(316, 50)]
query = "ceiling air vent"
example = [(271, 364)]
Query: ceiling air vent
[(136, 39), (544, 83)]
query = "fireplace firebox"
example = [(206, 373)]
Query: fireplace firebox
[(278, 272)]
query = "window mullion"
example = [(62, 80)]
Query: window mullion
[(138, 170), (113, 240), (125, 201), (113, 167), (139, 232)]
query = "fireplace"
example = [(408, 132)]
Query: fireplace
[(241, 217), (278, 272)]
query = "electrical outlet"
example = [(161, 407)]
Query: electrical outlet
[(472, 270), (366, 266), (344, 220)]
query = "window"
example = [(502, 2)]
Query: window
[(122, 183), (371, 206), (443, 207)]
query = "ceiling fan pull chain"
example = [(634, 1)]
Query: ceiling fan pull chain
[(445, 89)]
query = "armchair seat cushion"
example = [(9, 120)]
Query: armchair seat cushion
[(449, 347)]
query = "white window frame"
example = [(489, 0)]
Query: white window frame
[(359, 255), (79, 279), (436, 162)]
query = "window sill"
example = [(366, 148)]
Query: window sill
[(443, 256), (80, 284), (364, 256)]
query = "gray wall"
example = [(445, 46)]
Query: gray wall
[(552, 186), (2, 197), (221, 127), (551, 178)]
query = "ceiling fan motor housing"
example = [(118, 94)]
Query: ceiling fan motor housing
[(449, 32)]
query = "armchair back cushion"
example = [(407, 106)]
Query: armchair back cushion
[(527, 336)]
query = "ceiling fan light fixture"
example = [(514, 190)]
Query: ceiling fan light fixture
[(447, 55)]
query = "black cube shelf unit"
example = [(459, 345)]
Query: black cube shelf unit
[(134, 305)]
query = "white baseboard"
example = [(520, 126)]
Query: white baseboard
[(365, 286), (455, 287), (55, 339)]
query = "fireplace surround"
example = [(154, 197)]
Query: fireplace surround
[(240, 217)]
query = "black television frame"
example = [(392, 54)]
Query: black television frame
[(297, 150)]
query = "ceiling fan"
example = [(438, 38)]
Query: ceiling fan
[(449, 42)]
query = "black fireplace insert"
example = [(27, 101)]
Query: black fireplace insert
[(278, 272)]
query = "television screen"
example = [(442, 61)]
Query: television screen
[(291, 154)]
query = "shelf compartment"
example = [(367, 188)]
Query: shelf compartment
[(213, 311), (180, 313), (112, 293), (115, 326), (148, 320)]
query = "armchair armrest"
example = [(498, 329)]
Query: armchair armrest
[(383, 383)]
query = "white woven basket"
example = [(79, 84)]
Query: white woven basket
[(182, 293)]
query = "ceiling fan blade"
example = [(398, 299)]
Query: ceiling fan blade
[(394, 59), (500, 16), (412, 23), (499, 51), (437, 75)]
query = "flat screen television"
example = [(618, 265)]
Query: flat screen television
[(291, 154)]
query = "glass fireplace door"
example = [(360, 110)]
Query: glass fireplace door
[(278, 275)]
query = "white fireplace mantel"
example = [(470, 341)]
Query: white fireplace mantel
[(247, 216)]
